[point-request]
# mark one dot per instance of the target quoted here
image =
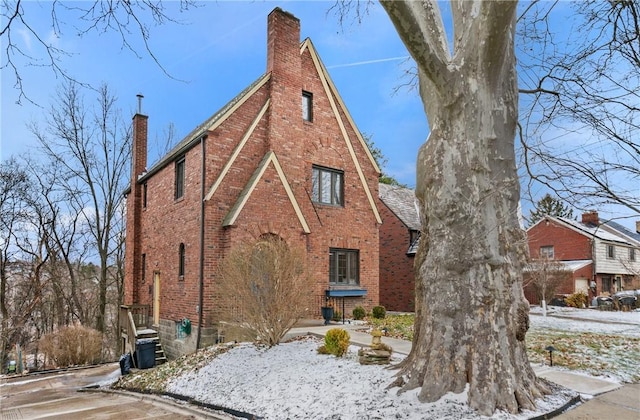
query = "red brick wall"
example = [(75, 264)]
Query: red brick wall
[(567, 243), (397, 283)]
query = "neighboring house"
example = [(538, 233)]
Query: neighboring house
[(283, 158), (603, 256), (399, 235)]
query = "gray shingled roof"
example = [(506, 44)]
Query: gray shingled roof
[(623, 230), (402, 202)]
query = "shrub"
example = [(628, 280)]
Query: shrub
[(577, 300), (337, 316), (72, 345), (359, 312), (379, 312), (336, 342)]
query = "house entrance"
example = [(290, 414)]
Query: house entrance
[(156, 298)]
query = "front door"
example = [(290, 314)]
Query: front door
[(156, 298)]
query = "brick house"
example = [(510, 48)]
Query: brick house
[(399, 235), (284, 158), (603, 257)]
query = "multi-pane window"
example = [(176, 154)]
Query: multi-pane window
[(632, 254), (181, 258), (307, 106), (606, 284), (179, 178), (344, 267), (611, 252), (327, 186), (546, 252)]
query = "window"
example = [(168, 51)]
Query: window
[(344, 265), (144, 195), (606, 284), (327, 186), (611, 252), (414, 235), (632, 254), (144, 268), (179, 178), (307, 106), (181, 261), (546, 252)]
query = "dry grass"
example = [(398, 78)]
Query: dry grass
[(71, 346)]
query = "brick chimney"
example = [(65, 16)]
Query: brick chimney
[(284, 63), (590, 218), (133, 268)]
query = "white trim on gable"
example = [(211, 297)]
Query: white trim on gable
[(270, 158), (237, 150), (330, 91)]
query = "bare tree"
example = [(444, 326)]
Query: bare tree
[(581, 103), (90, 147), (270, 286), (471, 314), (545, 276), (131, 21)]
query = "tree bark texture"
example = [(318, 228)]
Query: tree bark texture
[(471, 313)]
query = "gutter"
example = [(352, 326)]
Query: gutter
[(202, 205)]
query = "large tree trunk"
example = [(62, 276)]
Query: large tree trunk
[(471, 314)]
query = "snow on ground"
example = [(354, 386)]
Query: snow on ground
[(587, 320), (292, 381)]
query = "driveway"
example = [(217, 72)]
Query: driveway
[(57, 396)]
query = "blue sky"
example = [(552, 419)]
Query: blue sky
[(214, 52), (219, 50)]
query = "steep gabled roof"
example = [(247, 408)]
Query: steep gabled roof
[(332, 93), (209, 124), (402, 202), (269, 159)]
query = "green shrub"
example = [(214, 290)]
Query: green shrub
[(359, 312), (379, 312), (337, 316), (577, 300), (336, 342)]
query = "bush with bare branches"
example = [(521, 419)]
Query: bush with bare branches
[(267, 287), (72, 345)]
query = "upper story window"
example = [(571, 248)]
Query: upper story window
[(307, 106), (181, 260), (611, 252), (632, 254), (344, 267), (414, 235), (144, 267), (179, 188), (327, 186), (144, 195), (546, 252)]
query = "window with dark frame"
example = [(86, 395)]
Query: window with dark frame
[(632, 254), (307, 106), (144, 268), (179, 188), (327, 186), (611, 252), (181, 259), (547, 252), (606, 284), (414, 235), (144, 195), (344, 267)]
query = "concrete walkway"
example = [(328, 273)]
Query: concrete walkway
[(604, 399)]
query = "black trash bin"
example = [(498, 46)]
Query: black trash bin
[(125, 364), (146, 353)]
